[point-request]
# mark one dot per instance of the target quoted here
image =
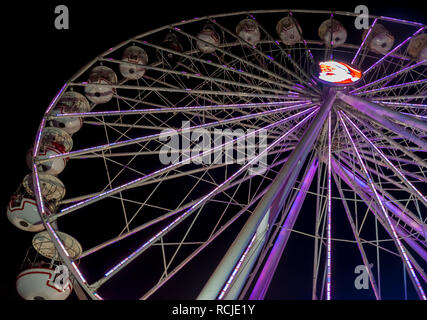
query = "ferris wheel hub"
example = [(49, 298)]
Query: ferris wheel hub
[(336, 74)]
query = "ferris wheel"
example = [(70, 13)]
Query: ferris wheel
[(189, 154)]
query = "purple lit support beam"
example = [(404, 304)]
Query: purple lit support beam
[(377, 112), (329, 225), (278, 193), (267, 273)]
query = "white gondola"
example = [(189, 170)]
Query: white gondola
[(336, 29), (209, 35), (289, 30), (22, 209), (42, 284), (418, 48), (134, 58), (45, 246), (43, 276), (248, 30), (70, 102), (99, 89), (54, 141), (380, 39)]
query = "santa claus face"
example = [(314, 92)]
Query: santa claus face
[(338, 73)]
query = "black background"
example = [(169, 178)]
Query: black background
[(38, 59)]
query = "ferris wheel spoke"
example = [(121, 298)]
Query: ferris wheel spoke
[(239, 72), (189, 91), (380, 61), (174, 132), (416, 106), (152, 181), (210, 100), (398, 173), (393, 87), (388, 99), (228, 203), (399, 245), (202, 77)]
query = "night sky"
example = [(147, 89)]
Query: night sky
[(39, 59)]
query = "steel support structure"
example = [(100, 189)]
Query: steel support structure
[(277, 194)]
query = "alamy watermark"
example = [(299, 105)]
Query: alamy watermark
[(205, 146), (62, 277), (62, 20), (362, 20), (362, 280)]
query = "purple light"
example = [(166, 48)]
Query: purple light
[(53, 102), (401, 21), (98, 296), (273, 259), (236, 269), (73, 264), (329, 245), (174, 109), (415, 115), (38, 137), (394, 86), (402, 104), (38, 192), (309, 51)]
